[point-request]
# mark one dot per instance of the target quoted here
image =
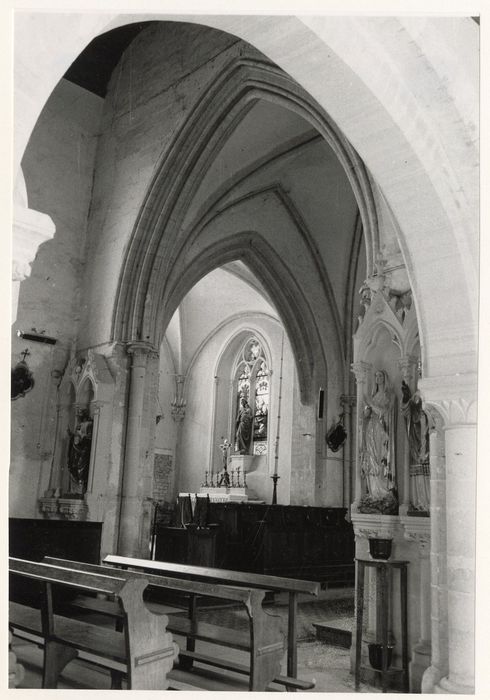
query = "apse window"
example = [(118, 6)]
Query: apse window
[(251, 390)]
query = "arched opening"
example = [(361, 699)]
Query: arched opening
[(228, 158)]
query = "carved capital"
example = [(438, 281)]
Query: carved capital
[(48, 506), (454, 398), (361, 371), (21, 269), (408, 368), (139, 347), (73, 508), (140, 351), (348, 401), (417, 530), (30, 229), (372, 525)]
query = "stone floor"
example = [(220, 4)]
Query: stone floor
[(329, 666)]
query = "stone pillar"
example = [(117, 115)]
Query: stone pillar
[(438, 565), (418, 530), (360, 370), (456, 402), (131, 497)]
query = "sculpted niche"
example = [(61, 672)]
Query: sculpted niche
[(393, 473)]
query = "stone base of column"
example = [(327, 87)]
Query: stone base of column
[(448, 687), (421, 655), (430, 679)]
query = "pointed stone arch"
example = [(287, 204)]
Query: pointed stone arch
[(293, 308), (158, 235)]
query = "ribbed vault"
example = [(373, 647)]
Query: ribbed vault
[(158, 239)]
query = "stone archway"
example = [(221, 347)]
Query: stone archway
[(404, 94), (159, 237), (333, 52)]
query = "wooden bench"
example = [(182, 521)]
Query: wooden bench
[(143, 649), (293, 588), (264, 640)]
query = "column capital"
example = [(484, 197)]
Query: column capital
[(368, 525), (361, 370), (139, 349), (348, 401), (417, 529), (454, 397), (30, 229), (408, 364)]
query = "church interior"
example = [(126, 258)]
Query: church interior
[(244, 350)]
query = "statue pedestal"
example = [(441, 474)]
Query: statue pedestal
[(243, 462), (222, 494)]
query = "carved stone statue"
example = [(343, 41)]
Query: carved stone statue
[(377, 457), (243, 434), (79, 451), (418, 440)]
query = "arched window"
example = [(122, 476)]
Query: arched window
[(251, 385)]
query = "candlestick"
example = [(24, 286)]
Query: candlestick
[(275, 479), (276, 455)]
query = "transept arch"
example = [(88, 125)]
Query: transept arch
[(329, 57), (295, 311), (158, 237)]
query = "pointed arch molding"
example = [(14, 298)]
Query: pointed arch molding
[(158, 235), (278, 280)]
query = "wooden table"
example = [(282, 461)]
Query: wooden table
[(384, 569)]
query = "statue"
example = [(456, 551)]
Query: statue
[(418, 441), (243, 433), (377, 457), (79, 451)]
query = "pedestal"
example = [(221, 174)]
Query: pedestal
[(383, 569), (223, 494)]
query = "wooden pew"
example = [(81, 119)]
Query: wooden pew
[(264, 640), (143, 650), (293, 588)]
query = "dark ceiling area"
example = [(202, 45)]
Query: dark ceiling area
[(93, 67)]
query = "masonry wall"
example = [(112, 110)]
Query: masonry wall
[(152, 90), (58, 170)]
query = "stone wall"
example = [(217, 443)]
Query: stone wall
[(58, 168)]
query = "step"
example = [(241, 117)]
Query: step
[(335, 636)]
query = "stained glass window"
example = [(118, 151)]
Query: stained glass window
[(251, 385)]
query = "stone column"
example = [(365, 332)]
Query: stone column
[(438, 564), (360, 370), (455, 399), (131, 498), (418, 530)]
